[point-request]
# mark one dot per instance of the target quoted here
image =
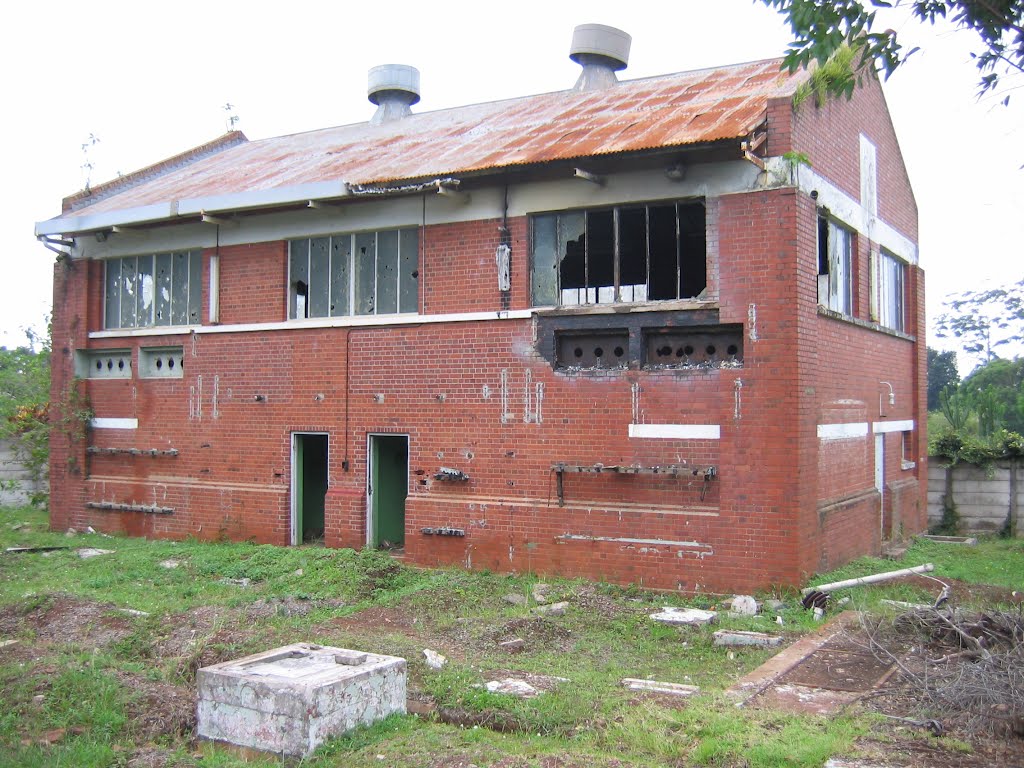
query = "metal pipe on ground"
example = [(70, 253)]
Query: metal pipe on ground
[(872, 579)]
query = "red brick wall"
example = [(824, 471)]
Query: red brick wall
[(783, 504)]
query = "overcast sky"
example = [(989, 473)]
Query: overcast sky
[(150, 80)]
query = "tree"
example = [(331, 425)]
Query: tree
[(823, 27), (1001, 382), (942, 373), (984, 321)]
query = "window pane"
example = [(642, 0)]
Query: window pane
[(341, 274), (144, 295), (664, 282), (387, 272), (112, 309), (319, 277), (408, 279), (366, 266), (545, 249), (162, 314), (195, 287), (298, 278), (633, 254), (128, 291), (600, 249), (693, 249), (572, 267), (179, 288)]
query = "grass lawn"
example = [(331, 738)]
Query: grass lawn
[(91, 684)]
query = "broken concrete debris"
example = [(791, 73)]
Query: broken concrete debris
[(684, 616), (515, 599), (555, 609), (290, 699), (728, 637), (656, 686), (539, 592), (515, 645), (86, 552), (434, 659), (744, 605), (512, 687), (169, 564)]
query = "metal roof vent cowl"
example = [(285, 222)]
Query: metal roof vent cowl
[(601, 51), (394, 88)]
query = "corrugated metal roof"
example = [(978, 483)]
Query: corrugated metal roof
[(671, 110)]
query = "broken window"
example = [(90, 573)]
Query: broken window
[(153, 290), (887, 291), (626, 254), (835, 269), (370, 273)]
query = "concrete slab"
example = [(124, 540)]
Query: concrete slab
[(731, 637), (290, 699), (657, 686), (684, 616)]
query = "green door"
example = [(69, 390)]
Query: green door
[(309, 475), (389, 484)]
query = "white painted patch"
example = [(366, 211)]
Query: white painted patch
[(676, 431), (110, 423), (626, 540), (892, 426), (842, 431), (868, 176)]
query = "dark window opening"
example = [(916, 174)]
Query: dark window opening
[(628, 254), (835, 266)]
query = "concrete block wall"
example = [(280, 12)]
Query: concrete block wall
[(13, 471), (982, 496)]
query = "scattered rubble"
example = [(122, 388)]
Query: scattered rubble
[(685, 616), (434, 659), (515, 645), (169, 564), (554, 609), (513, 687), (515, 599)]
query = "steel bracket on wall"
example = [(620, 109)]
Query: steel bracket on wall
[(672, 470)]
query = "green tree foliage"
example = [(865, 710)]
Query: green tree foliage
[(942, 373), (822, 27), (984, 321), (24, 397), (1001, 382)]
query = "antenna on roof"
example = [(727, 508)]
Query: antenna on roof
[(232, 119), (87, 166)]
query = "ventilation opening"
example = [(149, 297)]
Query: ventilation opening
[(698, 347), (593, 350)]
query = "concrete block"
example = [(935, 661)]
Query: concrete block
[(729, 637), (290, 699), (685, 616), (744, 605)]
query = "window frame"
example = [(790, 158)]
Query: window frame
[(623, 219), (889, 291), (835, 268), (189, 293), (347, 267)]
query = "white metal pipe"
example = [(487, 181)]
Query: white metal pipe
[(872, 579)]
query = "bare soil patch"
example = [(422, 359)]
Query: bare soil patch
[(159, 709), (67, 619)]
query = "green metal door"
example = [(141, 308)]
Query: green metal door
[(389, 485)]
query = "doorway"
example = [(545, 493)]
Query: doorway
[(309, 486), (386, 488)]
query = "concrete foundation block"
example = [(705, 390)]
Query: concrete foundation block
[(685, 616), (290, 699)]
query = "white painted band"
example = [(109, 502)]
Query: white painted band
[(842, 431), (676, 431), (892, 426), (357, 321), (625, 540), (109, 423)]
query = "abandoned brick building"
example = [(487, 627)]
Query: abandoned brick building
[(666, 331)]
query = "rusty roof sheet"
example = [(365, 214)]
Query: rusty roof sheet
[(670, 110)]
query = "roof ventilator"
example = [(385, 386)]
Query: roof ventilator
[(394, 88), (601, 51)]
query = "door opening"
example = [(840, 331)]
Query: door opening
[(386, 489), (309, 487)]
